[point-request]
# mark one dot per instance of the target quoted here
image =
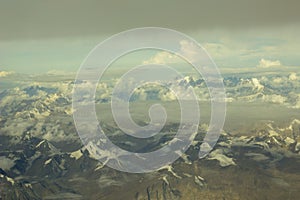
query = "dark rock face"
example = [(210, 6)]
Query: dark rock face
[(43, 171), (11, 189)]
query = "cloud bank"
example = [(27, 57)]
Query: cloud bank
[(263, 63)]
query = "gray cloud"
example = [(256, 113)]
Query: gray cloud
[(66, 18)]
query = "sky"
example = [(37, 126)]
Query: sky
[(41, 36)]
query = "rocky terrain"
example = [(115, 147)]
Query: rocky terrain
[(34, 168)]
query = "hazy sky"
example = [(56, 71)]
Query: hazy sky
[(38, 36)]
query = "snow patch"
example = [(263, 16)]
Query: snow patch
[(76, 154), (10, 180), (39, 144), (219, 156), (48, 161)]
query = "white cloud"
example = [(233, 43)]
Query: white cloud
[(257, 84), (293, 76), (163, 57), (6, 163), (277, 80), (263, 63), (187, 49), (5, 73), (220, 51), (60, 72)]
